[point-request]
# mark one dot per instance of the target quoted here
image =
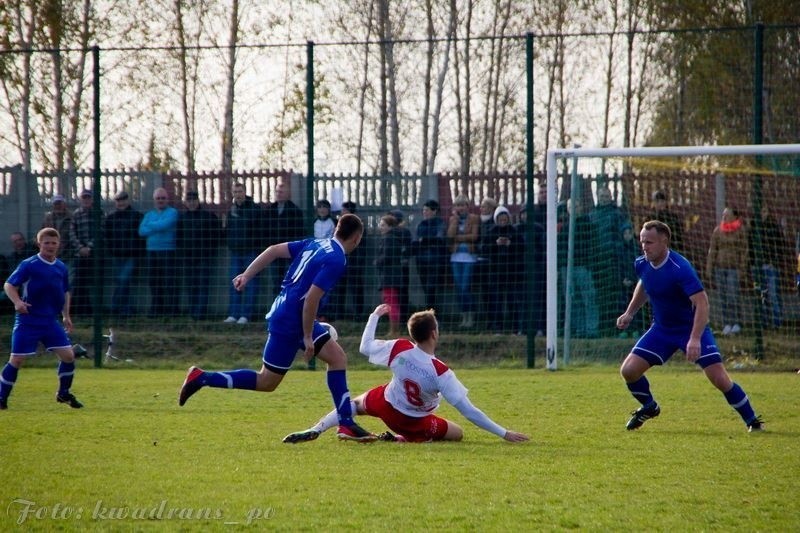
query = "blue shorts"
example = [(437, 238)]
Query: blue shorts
[(281, 349), (25, 338), (658, 344)]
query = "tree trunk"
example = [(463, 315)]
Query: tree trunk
[(227, 131)]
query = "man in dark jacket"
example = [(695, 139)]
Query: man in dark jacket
[(126, 248), (61, 219), (284, 222), (199, 239), (244, 228), (83, 235)]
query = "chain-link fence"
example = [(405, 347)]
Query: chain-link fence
[(386, 125)]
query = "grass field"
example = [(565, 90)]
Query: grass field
[(134, 460)]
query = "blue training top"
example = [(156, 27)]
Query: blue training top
[(319, 262), (160, 229), (669, 287), (43, 285)]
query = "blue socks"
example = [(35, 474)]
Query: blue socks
[(66, 371), (7, 379), (337, 383), (233, 379), (738, 400), (640, 389)]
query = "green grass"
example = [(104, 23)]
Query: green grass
[(132, 449)]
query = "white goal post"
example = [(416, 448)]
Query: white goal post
[(657, 151)]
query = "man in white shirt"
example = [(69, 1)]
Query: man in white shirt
[(406, 404)]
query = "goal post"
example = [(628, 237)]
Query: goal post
[(554, 155)]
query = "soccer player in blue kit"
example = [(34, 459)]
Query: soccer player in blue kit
[(39, 290), (317, 264), (680, 322)]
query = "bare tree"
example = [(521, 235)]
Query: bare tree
[(440, 85), (227, 131), (17, 82)]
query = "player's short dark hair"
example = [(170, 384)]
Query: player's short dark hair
[(660, 227), (348, 225), (47, 232), (421, 325)]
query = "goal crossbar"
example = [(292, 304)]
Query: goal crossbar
[(652, 151)]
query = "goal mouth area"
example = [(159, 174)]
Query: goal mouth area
[(711, 156)]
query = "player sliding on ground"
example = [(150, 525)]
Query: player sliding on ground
[(680, 322), (317, 264), (406, 404)]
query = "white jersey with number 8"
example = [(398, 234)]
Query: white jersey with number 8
[(417, 378)]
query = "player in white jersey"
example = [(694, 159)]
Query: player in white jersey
[(406, 404)]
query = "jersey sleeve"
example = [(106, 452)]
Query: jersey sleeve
[(20, 275), (689, 281), (478, 417), (451, 387), (295, 247)]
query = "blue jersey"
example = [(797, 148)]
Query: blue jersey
[(668, 288), (319, 262), (42, 285)]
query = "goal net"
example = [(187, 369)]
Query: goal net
[(734, 212)]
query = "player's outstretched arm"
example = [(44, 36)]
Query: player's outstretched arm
[(260, 263), (479, 418)]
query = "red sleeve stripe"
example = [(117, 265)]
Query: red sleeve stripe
[(440, 367), (402, 345)]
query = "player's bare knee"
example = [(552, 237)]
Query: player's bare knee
[(633, 368), (268, 381), (333, 354), (67, 356), (360, 408)]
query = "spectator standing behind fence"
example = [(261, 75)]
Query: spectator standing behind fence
[(661, 211), (506, 252), (585, 321), (388, 259), (429, 251), (483, 270), (352, 282), (159, 227), (325, 223), (775, 253), (324, 226), (284, 222), (628, 251), (607, 218), (21, 249), (84, 238), (61, 219), (463, 232), (244, 225), (405, 262), (6, 307), (126, 248), (199, 239), (727, 264), (538, 294)]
